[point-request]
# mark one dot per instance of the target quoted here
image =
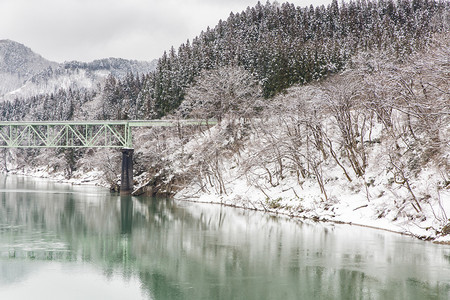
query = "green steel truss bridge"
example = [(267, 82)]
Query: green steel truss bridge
[(78, 134), (84, 134)]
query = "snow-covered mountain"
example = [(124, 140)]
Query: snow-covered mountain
[(18, 64), (24, 73)]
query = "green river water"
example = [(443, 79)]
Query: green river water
[(59, 241)]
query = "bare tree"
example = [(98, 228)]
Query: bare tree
[(224, 91)]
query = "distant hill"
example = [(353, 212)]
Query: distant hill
[(18, 64), (24, 73)]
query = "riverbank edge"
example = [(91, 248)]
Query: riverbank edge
[(318, 220), (94, 178)]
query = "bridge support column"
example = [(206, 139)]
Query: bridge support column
[(126, 178)]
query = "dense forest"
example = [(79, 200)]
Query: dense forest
[(279, 45)]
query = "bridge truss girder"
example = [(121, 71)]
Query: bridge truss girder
[(64, 135), (78, 134)]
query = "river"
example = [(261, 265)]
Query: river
[(59, 241)]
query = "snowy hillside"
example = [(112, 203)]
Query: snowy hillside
[(18, 64), (24, 74)]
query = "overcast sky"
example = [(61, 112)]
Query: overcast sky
[(64, 30)]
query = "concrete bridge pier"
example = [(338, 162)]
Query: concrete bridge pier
[(126, 178)]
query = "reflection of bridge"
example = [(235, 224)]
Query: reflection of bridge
[(83, 134)]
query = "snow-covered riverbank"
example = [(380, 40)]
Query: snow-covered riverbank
[(93, 177), (374, 200), (388, 211), (384, 209)]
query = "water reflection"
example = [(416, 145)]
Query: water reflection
[(126, 214), (192, 251)]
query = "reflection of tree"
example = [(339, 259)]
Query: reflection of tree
[(200, 251)]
